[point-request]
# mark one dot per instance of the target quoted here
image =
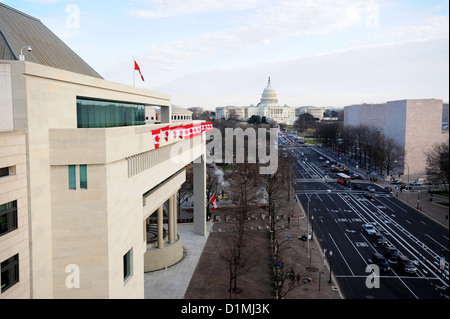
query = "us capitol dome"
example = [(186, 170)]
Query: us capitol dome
[(269, 96)]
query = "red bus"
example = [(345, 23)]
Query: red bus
[(343, 179)]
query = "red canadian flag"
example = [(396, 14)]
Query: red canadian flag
[(156, 137), (213, 200), (165, 132), (136, 67), (174, 131)]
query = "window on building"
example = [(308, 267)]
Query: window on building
[(83, 176), (8, 217), (128, 265), (72, 177), (4, 171), (9, 272), (99, 113)]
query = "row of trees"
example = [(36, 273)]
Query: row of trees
[(369, 147)]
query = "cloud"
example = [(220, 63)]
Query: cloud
[(264, 24), (170, 8), (369, 74), (436, 27)]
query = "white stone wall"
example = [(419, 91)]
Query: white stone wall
[(14, 187)]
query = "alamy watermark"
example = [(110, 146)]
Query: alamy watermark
[(73, 279), (373, 279), (241, 146), (73, 17)]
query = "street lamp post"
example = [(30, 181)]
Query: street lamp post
[(307, 225), (407, 193), (331, 254), (290, 181)]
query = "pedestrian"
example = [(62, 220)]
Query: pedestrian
[(298, 278), (289, 221), (309, 280), (292, 274)]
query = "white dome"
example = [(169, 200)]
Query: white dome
[(269, 95)]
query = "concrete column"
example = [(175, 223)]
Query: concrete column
[(175, 214), (200, 195), (160, 227), (172, 221)]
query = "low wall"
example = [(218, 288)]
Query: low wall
[(159, 258)]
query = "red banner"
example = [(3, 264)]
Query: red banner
[(156, 137)]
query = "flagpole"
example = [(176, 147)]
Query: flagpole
[(134, 71)]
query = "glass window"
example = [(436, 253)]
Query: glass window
[(8, 217), (127, 264), (4, 171), (9, 272), (83, 176), (101, 114), (72, 177)]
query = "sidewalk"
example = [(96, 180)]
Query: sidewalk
[(432, 209)]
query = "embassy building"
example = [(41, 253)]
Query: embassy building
[(81, 173)]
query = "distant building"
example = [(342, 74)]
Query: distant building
[(416, 124), (271, 110), (315, 111)]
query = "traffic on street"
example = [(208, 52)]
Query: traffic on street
[(377, 246)]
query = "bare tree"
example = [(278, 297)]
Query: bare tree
[(242, 192), (239, 258), (185, 191), (438, 162)]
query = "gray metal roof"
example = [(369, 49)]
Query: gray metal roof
[(18, 30)]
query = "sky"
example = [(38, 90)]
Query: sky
[(212, 53)]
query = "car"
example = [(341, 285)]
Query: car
[(379, 239), (325, 165), (381, 262), (416, 183), (406, 265), (321, 158), (357, 186), (368, 229), (392, 254), (388, 189), (370, 189), (367, 195)]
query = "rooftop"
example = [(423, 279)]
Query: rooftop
[(19, 30)]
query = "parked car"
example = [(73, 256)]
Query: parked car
[(381, 262), (392, 254), (370, 189), (406, 265), (368, 229), (379, 239)]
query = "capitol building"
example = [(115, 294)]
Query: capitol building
[(269, 108)]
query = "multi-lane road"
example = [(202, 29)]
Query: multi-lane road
[(336, 217)]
